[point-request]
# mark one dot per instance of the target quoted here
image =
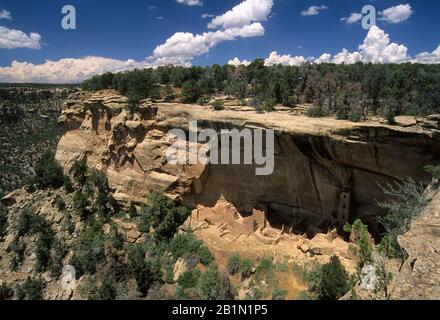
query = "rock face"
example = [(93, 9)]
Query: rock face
[(419, 277), (326, 171)]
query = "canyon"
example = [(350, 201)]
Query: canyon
[(327, 172)]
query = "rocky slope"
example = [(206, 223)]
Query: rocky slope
[(326, 171), (419, 276)]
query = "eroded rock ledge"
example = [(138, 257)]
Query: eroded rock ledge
[(326, 171)]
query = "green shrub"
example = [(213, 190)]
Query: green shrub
[(59, 251), (67, 184), (59, 203), (79, 171), (107, 291), (184, 244), (189, 279), (98, 179), (355, 116), (116, 239), (144, 271), (89, 250), (269, 105), (163, 216), (364, 247), (17, 249), (48, 172), (205, 256), (329, 281), (169, 273), (233, 264), (304, 295), (407, 202), (3, 221), (335, 280), (316, 112), (43, 249), (265, 266), (190, 92), (29, 223), (390, 118), (81, 203), (202, 101), (6, 293), (279, 294), (102, 206), (68, 224), (435, 171), (132, 212), (180, 294), (218, 105), (209, 287), (32, 289), (246, 268)]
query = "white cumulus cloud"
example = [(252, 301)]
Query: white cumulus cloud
[(324, 58), (428, 57), (65, 70), (5, 14), (242, 14), (182, 47), (396, 14), (237, 62), (287, 60), (191, 2), (12, 39), (345, 57), (377, 48), (313, 10), (352, 18)]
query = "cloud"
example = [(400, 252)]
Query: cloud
[(12, 39), (428, 57), (242, 21), (182, 47), (324, 58), (4, 14), (313, 10), (236, 62), (152, 7), (191, 2), (65, 70), (345, 57), (287, 60), (207, 15), (244, 13), (396, 14), (352, 18), (377, 48)]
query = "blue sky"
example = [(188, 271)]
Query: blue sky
[(132, 29)]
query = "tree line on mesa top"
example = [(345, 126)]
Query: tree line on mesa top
[(345, 91)]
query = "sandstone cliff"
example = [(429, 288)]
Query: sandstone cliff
[(419, 276), (326, 171)]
